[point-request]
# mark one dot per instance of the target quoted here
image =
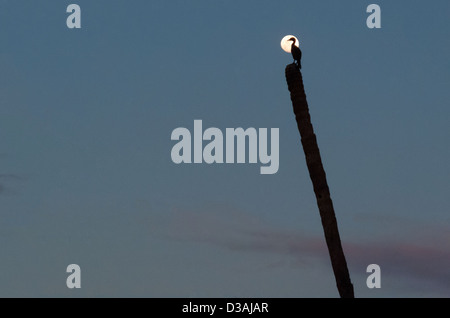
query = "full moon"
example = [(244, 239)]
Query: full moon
[(286, 45)]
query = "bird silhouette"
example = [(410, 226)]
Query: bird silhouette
[(296, 53)]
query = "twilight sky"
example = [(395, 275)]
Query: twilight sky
[(86, 175)]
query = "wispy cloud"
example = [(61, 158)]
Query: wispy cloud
[(414, 260), (425, 257)]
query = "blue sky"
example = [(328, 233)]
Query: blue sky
[(86, 175)]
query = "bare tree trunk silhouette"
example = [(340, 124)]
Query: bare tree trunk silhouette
[(318, 177)]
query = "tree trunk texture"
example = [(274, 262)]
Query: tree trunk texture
[(319, 180)]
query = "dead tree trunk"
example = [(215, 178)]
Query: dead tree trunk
[(319, 181)]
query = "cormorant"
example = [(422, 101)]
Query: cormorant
[(296, 53)]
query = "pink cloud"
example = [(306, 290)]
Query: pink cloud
[(426, 260)]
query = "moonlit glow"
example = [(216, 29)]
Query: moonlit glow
[(286, 44)]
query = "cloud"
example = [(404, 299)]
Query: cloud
[(425, 259), (413, 260)]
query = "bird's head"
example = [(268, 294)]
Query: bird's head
[(292, 39)]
